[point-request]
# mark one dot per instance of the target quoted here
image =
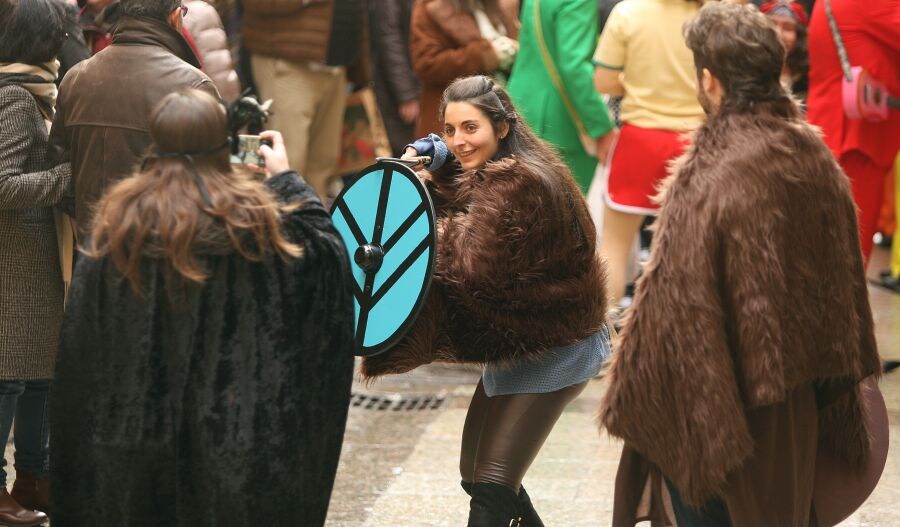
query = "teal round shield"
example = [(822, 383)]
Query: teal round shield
[(386, 218)]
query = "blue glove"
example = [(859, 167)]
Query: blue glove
[(433, 147)]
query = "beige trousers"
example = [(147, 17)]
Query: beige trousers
[(308, 109)]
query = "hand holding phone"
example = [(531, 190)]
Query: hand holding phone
[(247, 153), (272, 150)]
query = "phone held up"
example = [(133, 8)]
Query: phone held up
[(248, 151)]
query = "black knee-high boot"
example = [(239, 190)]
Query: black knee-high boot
[(494, 505), (466, 486), (530, 516)]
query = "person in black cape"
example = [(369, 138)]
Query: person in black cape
[(206, 354)]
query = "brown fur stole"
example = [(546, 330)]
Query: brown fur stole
[(755, 287), (515, 273)]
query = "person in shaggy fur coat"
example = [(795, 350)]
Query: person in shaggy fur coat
[(206, 355), (735, 364), (518, 287)]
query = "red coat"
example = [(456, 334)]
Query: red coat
[(871, 33)]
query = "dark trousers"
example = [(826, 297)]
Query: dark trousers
[(504, 434), (712, 514), (25, 402)]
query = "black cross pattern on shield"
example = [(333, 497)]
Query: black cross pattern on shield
[(386, 219)]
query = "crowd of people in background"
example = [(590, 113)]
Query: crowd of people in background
[(95, 98), (409, 51)]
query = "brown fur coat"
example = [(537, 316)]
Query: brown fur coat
[(754, 289), (516, 270)]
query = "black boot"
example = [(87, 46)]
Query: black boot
[(494, 505), (530, 516), (467, 486)]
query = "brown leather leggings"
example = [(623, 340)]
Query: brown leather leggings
[(504, 434)]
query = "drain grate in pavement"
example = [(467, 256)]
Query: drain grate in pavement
[(396, 403)]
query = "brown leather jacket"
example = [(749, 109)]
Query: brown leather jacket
[(105, 102)]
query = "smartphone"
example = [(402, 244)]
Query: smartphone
[(248, 151)]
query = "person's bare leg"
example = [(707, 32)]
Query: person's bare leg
[(619, 229)]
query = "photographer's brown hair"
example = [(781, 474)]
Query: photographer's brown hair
[(160, 212)]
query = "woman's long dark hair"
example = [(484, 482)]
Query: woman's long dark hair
[(483, 93), (162, 211), (530, 152)]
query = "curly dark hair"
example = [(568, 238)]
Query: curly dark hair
[(742, 49)]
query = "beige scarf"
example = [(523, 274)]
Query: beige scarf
[(45, 92)]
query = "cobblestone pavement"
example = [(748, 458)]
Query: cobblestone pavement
[(399, 467)]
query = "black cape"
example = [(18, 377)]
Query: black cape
[(227, 409)]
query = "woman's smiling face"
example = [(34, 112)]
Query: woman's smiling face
[(469, 135)]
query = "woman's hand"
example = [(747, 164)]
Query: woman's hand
[(275, 155), (409, 111), (506, 50), (432, 147)]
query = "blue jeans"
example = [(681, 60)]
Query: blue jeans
[(26, 403), (712, 514)]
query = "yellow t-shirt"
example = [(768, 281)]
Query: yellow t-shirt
[(643, 39)]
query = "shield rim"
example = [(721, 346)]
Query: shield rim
[(401, 331)]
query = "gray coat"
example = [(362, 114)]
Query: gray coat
[(31, 287)]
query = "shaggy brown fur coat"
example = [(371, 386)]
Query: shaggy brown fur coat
[(754, 290), (516, 270)]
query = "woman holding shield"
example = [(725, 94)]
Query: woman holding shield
[(518, 287)]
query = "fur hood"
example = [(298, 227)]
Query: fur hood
[(516, 270), (755, 287)]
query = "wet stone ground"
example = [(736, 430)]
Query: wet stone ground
[(399, 462)]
